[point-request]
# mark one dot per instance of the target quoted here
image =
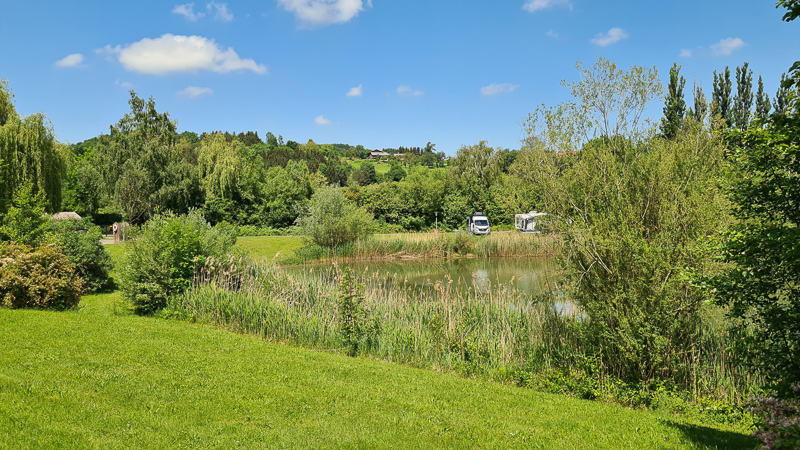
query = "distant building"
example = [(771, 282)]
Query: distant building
[(377, 154)]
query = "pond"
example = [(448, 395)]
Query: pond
[(530, 276)]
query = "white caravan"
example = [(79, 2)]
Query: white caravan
[(526, 223), (478, 223)]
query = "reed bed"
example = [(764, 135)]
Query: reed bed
[(458, 325), (432, 245)]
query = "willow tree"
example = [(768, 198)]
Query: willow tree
[(29, 153), (635, 210)]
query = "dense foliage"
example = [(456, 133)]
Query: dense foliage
[(37, 278), (79, 240), (636, 210), (332, 220), (161, 257)]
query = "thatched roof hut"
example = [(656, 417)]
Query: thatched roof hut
[(66, 215)]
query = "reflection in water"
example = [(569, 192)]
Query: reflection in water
[(531, 276), (517, 280)]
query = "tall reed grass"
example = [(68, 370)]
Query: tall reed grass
[(451, 325), (432, 245)]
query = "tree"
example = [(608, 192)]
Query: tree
[(763, 287), (475, 169), (396, 172), (635, 213), (781, 103), (286, 193), (721, 97), (743, 102), (674, 104), (271, 140), (138, 159), (332, 221), (25, 222), (29, 153), (762, 101), (700, 109), (366, 174), (614, 100)]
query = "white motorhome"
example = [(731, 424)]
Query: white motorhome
[(478, 223), (526, 223)]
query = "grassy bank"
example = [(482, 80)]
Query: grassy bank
[(95, 379), (431, 245)]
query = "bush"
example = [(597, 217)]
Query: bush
[(42, 278), (332, 221), (80, 241), (778, 421), (162, 255)]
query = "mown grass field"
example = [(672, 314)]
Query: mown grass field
[(268, 247), (95, 378)]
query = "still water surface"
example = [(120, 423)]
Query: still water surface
[(527, 275)]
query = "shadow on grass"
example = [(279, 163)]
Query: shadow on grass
[(705, 437)]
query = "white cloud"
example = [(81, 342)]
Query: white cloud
[(685, 53), (124, 84), (195, 91), (72, 60), (551, 33), (406, 90), (175, 53), (726, 46), (613, 36), (187, 11), (536, 5), (321, 120), (222, 12), (324, 12), (354, 92), (493, 89)]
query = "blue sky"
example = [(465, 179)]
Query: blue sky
[(381, 73)]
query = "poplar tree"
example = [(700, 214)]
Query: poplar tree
[(700, 109), (743, 102), (721, 96), (762, 100), (781, 102), (674, 104)]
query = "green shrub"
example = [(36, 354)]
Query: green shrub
[(25, 222), (332, 221), (43, 278), (162, 255), (80, 241)]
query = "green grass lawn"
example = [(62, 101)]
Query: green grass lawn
[(94, 378), (267, 247)]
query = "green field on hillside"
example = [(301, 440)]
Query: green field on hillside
[(98, 378), (380, 167)]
